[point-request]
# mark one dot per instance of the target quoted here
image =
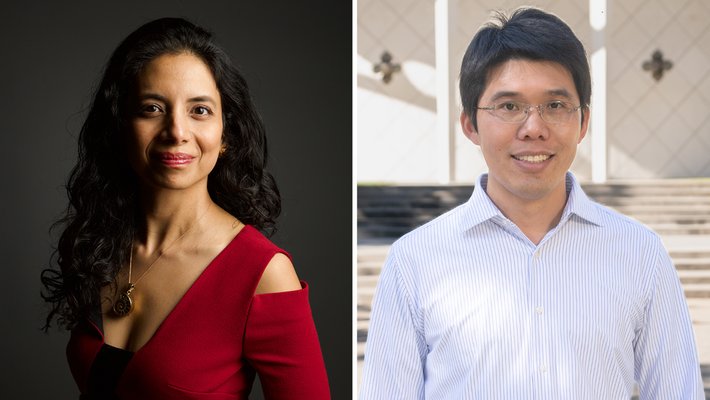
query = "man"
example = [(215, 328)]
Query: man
[(529, 290)]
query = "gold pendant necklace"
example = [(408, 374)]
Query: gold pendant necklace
[(123, 305)]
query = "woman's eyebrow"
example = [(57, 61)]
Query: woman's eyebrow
[(156, 96), (201, 99), (152, 96)]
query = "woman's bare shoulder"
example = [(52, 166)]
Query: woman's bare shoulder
[(279, 276)]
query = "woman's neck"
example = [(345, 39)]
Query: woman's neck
[(169, 214)]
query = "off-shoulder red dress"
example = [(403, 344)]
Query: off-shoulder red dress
[(216, 338)]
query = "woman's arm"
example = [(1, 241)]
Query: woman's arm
[(280, 341)]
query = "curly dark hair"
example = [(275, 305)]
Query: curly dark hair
[(100, 219)]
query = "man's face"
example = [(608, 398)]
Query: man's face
[(527, 160)]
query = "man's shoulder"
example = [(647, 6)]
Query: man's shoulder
[(440, 228)]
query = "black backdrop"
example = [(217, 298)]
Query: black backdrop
[(296, 56)]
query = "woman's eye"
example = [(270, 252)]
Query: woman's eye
[(201, 110), (150, 109)]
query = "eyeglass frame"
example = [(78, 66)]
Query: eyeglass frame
[(526, 107)]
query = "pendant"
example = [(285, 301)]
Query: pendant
[(124, 304)]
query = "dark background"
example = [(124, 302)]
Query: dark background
[(296, 57)]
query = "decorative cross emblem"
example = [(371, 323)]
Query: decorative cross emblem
[(386, 67), (657, 65)]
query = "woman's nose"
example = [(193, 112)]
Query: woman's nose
[(178, 128)]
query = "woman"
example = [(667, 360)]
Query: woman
[(168, 287)]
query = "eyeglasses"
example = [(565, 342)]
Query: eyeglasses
[(553, 112)]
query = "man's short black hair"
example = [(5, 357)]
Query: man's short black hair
[(529, 33)]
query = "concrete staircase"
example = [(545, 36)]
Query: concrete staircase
[(679, 210), (670, 207)]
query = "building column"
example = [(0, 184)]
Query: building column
[(598, 22), (445, 100)]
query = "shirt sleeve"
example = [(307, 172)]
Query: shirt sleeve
[(282, 345), (666, 359), (395, 352)]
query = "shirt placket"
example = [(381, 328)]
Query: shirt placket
[(539, 360)]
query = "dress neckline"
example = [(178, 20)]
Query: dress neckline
[(98, 324)]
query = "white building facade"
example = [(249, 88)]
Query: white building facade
[(642, 128)]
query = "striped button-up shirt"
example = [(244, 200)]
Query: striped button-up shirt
[(467, 307)]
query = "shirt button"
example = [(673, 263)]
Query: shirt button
[(539, 310), (543, 368)]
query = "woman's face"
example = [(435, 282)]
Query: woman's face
[(175, 130)]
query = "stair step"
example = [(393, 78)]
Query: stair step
[(662, 216), (701, 230), (693, 276), (679, 255), (371, 268), (673, 208), (645, 190), (691, 263), (361, 347), (697, 290), (701, 200), (363, 325), (367, 253), (371, 280)]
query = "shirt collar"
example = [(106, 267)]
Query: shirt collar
[(579, 204), (480, 208)]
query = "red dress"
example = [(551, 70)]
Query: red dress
[(218, 336)]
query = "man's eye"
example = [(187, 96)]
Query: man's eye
[(509, 106), (557, 105)]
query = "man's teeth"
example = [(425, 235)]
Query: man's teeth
[(533, 159)]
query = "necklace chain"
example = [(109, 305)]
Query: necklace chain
[(124, 303)]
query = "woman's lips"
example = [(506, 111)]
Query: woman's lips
[(175, 159)]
